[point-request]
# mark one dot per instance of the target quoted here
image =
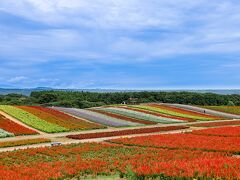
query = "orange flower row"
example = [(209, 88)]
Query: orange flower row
[(14, 128)]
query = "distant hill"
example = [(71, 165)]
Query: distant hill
[(27, 92)]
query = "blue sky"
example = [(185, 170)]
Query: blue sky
[(120, 44)]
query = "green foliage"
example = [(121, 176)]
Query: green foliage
[(230, 103), (47, 98), (91, 99)]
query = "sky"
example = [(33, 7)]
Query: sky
[(120, 44)]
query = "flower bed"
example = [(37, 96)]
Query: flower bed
[(184, 141), (14, 128), (126, 132), (71, 119), (23, 142), (140, 115), (176, 112), (118, 116), (223, 131), (213, 124), (158, 114), (96, 117), (66, 121), (81, 160), (32, 120)]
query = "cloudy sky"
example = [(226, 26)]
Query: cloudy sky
[(120, 44)]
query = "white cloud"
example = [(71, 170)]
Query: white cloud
[(118, 30), (17, 79)]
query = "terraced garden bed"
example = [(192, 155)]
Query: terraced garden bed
[(14, 128), (118, 116), (140, 115), (158, 114), (176, 112), (59, 118), (31, 120), (96, 117)]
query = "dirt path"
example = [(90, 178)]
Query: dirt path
[(19, 122)]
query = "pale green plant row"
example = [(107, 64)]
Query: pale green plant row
[(31, 120), (4, 134), (140, 115), (169, 112)]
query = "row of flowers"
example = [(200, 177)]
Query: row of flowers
[(126, 132), (14, 128), (122, 117), (31, 120), (158, 114), (96, 117), (218, 123), (140, 115), (177, 112), (23, 142)]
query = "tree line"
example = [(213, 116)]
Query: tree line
[(92, 99)]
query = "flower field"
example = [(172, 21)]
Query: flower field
[(222, 131), (126, 118), (31, 120), (126, 132), (59, 118), (43, 119), (97, 117), (210, 153), (140, 115), (23, 142), (14, 128), (226, 109), (82, 160), (157, 114), (176, 112)]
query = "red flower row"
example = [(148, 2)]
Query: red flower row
[(126, 132), (14, 128)]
